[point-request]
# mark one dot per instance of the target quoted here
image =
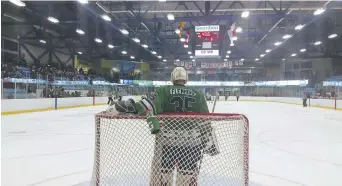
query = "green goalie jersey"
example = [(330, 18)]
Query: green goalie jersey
[(175, 98)]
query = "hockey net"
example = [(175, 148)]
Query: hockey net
[(127, 154)]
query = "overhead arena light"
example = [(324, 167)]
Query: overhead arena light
[(136, 40), (182, 40), (123, 52), (79, 31), (225, 60), (189, 52), (193, 60), (319, 11), (170, 17), (42, 41), (144, 45), (331, 36), (245, 14), (299, 27), (238, 30), (18, 3), (53, 20), (242, 59), (154, 52), (277, 43), (293, 55), (83, 1), (79, 53), (162, 0), (262, 55), (177, 31), (132, 57), (268, 50), (164, 60), (159, 57), (186, 46), (98, 40), (283, 59), (191, 57), (302, 50), (228, 52), (106, 17), (317, 43), (256, 59), (110, 46), (124, 31), (227, 56), (287, 36), (177, 60)]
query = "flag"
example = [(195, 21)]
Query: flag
[(232, 33)]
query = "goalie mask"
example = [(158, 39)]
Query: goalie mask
[(179, 73)]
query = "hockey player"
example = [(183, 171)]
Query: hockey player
[(180, 144), (237, 96), (217, 95), (208, 96)]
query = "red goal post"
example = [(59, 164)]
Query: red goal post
[(126, 153)]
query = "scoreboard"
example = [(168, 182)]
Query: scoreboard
[(208, 41)]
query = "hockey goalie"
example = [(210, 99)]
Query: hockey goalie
[(179, 144)]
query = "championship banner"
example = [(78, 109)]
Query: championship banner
[(185, 64)]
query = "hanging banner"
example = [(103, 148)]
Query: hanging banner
[(186, 64)]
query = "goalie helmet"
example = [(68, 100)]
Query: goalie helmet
[(179, 73)]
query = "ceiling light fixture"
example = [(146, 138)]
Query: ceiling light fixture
[(110, 46), (293, 55), (124, 52), (268, 50), (193, 60), (262, 55), (159, 57), (170, 17), (79, 31), (256, 59), (287, 36), (277, 43), (124, 31), (245, 14), (106, 17), (42, 41), (228, 52), (299, 27), (132, 57), (317, 43), (191, 57), (136, 40), (225, 60), (164, 60), (83, 1), (331, 36), (79, 53), (53, 20), (283, 59), (238, 30), (154, 52), (18, 3), (98, 40), (189, 52), (302, 50), (227, 56), (319, 11), (242, 59), (144, 45), (177, 60)]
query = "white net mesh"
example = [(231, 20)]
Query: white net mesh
[(190, 150)]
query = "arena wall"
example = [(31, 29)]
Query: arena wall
[(16, 106)]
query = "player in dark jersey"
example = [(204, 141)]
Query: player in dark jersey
[(179, 142)]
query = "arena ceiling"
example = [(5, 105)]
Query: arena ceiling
[(268, 23)]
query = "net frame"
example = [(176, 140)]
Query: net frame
[(166, 116)]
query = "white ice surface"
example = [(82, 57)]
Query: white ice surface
[(289, 145)]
